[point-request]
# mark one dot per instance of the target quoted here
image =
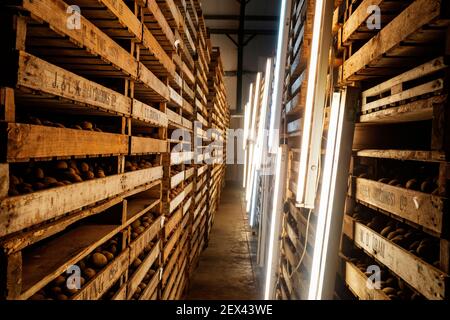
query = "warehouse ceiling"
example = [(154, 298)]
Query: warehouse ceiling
[(256, 38)]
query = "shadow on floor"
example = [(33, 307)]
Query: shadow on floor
[(227, 268)]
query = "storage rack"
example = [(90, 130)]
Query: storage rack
[(86, 166), (293, 274), (392, 219)]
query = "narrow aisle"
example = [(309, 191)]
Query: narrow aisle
[(226, 270)]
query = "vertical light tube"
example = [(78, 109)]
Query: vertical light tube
[(272, 240), (326, 197), (280, 65), (310, 96)]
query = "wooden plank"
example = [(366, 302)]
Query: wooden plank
[(37, 74), (152, 82), (125, 15), (357, 282), (422, 276), (170, 244), (418, 207), (420, 71), (105, 279), (140, 145), (170, 266), (138, 245), (186, 208), (150, 42), (54, 12), (357, 18), (4, 180), (24, 211), (146, 113), (25, 239), (151, 288), (429, 87), (176, 179), (418, 110), (416, 15), (414, 155), (175, 202), (172, 223), (143, 269), (25, 141)]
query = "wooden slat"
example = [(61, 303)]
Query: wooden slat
[(54, 12), (146, 113), (26, 141), (422, 276), (419, 13), (357, 282), (140, 145), (418, 207), (105, 279), (24, 211), (37, 74)]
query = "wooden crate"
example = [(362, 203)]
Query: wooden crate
[(425, 278)]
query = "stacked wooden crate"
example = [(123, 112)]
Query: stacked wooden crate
[(294, 271), (219, 119), (397, 198), (89, 185), (81, 158), (202, 164)]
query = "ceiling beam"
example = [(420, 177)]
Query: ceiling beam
[(236, 17), (267, 32)]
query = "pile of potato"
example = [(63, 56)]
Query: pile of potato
[(84, 125), (45, 175), (89, 266), (175, 192), (413, 240), (136, 264), (141, 224), (139, 163), (427, 185), (395, 288)]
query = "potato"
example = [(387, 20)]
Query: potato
[(84, 167), (59, 281), (99, 260), (142, 286), (66, 182), (384, 180), (112, 249), (98, 129), (89, 273), (145, 225), (108, 255), (58, 125), (61, 165), (394, 182), (77, 127), (72, 177), (386, 231), (398, 239), (39, 173), (435, 192), (62, 297), (13, 180), (426, 186), (39, 186), (136, 263), (412, 184), (136, 224), (139, 230), (55, 290), (88, 175), (71, 292), (100, 174), (414, 245), (390, 281), (86, 125)]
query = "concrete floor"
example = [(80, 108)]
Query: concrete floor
[(227, 268)]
